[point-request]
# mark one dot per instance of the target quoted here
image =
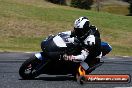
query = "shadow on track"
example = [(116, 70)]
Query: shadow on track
[(55, 78)]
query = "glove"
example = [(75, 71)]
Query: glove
[(74, 40), (90, 40), (68, 57), (71, 40)]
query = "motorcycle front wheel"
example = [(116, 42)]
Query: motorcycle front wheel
[(28, 69)]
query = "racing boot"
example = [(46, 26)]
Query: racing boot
[(94, 62), (85, 68), (81, 71)]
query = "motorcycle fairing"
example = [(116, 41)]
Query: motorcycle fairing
[(59, 41), (105, 48), (39, 55)]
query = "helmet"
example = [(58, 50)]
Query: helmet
[(81, 26)]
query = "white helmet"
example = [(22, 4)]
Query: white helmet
[(81, 26)]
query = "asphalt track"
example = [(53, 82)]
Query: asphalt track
[(9, 77)]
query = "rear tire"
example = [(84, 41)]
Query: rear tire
[(28, 69)]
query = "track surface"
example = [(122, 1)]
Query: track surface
[(9, 77)]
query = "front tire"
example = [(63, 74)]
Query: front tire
[(28, 69)]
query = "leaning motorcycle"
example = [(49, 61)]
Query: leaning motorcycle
[(50, 60)]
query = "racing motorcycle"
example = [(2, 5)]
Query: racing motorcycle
[(51, 60)]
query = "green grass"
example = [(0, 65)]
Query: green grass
[(24, 24)]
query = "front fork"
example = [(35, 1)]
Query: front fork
[(40, 56)]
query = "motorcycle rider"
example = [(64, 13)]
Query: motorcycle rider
[(89, 38)]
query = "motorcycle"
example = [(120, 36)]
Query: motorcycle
[(50, 60)]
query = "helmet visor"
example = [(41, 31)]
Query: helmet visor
[(79, 32)]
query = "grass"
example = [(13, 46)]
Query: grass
[(25, 23), (113, 6), (116, 9)]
